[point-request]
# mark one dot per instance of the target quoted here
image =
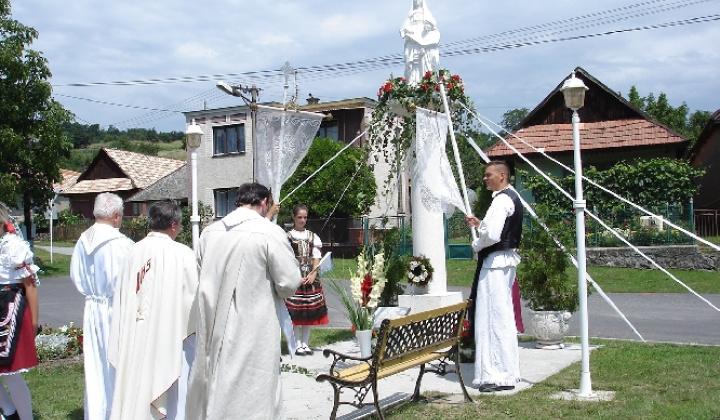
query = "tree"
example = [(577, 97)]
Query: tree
[(512, 118), (675, 118), (325, 190), (30, 121)]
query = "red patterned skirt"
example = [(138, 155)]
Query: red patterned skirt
[(307, 306), (24, 355)]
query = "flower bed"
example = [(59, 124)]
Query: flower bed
[(54, 344)]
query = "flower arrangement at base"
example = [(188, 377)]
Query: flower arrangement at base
[(61, 343), (419, 271), (366, 286)]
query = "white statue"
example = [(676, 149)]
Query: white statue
[(421, 42)]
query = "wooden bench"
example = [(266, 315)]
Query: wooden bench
[(402, 343)]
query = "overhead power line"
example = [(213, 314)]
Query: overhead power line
[(534, 35)]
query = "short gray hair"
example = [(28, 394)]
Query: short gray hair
[(106, 204)]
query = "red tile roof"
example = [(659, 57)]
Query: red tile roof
[(69, 178), (556, 138), (100, 185), (141, 171)]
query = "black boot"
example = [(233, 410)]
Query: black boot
[(13, 416)]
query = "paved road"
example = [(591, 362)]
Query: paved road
[(667, 317), (681, 318)]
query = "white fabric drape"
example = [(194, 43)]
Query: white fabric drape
[(283, 139), (431, 173)]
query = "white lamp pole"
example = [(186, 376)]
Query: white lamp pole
[(193, 137), (57, 192), (574, 91)]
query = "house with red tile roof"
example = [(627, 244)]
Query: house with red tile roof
[(611, 130), (121, 172), (705, 154)]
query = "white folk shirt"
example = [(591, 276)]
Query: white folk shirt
[(247, 269), (16, 259), (490, 230), (96, 263), (154, 312)]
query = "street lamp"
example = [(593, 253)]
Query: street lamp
[(574, 91), (57, 192), (193, 137), (252, 103)]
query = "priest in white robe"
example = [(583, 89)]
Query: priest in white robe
[(152, 337), (247, 269), (96, 262)]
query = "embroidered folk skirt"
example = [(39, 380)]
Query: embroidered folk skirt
[(307, 306), (17, 337)]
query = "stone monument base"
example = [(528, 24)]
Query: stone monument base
[(419, 303)]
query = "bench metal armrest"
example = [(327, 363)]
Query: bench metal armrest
[(341, 357)]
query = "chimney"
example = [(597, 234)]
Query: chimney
[(312, 100)]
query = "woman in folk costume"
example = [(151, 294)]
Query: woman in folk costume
[(19, 319), (307, 307)]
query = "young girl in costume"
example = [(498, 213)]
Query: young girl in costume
[(19, 315), (307, 307)]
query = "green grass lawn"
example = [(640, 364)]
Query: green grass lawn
[(651, 381), (59, 267), (610, 279)]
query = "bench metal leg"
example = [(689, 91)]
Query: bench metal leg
[(376, 397), (336, 402), (458, 371), (416, 394)]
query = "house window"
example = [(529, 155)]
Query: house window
[(137, 209), (225, 201), (328, 129), (229, 139)]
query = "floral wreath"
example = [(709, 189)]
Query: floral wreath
[(392, 129), (426, 93), (419, 271)]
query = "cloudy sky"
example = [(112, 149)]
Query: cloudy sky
[(168, 55)]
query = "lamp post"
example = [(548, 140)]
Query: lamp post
[(193, 137), (252, 103), (574, 91), (57, 192)]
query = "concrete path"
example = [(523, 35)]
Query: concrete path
[(307, 399)]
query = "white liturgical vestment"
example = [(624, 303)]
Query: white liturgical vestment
[(154, 312), (247, 269), (96, 262)]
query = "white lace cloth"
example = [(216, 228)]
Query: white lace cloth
[(283, 139), (430, 170)]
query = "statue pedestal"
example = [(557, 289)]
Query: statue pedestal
[(419, 303)]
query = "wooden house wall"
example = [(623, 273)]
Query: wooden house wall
[(708, 158), (349, 123), (104, 168), (599, 106), (83, 203)]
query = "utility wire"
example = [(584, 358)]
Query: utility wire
[(533, 37)]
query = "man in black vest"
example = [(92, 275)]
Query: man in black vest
[(492, 319)]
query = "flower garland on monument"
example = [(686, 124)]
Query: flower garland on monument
[(392, 129)]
